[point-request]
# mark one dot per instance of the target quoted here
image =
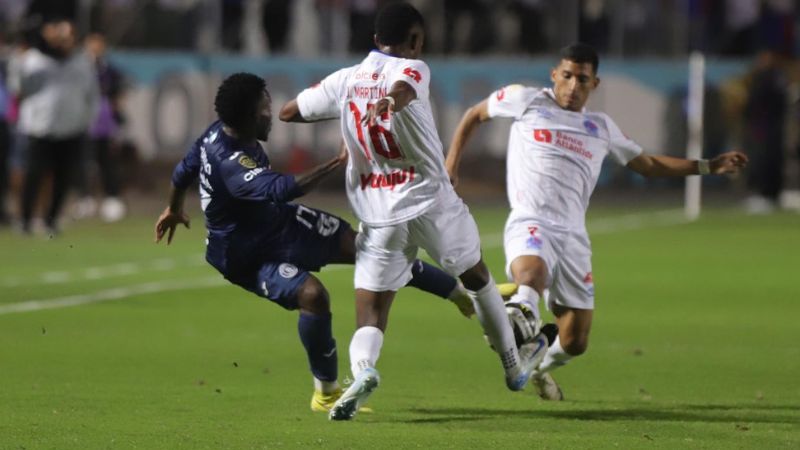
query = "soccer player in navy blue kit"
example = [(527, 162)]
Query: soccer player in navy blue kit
[(258, 240)]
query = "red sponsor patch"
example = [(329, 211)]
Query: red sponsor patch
[(413, 74), (588, 278), (541, 135), (501, 94)]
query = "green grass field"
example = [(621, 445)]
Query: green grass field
[(695, 345)]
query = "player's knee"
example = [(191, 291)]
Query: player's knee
[(476, 277), (575, 346), (312, 297)]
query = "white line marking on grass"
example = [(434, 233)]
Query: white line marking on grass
[(110, 294), (102, 272), (600, 226)]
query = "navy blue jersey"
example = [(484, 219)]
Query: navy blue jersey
[(244, 201)]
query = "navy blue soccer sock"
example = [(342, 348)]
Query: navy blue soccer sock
[(315, 333), (431, 279)]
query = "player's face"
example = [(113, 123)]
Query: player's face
[(264, 119), (572, 84)]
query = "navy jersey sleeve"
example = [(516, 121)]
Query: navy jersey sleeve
[(187, 170), (246, 180)]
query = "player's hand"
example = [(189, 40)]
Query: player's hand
[(168, 221), (730, 162), (382, 106)]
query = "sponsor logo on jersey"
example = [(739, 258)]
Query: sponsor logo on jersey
[(541, 135), (533, 241), (413, 74), (379, 180), (247, 162), (501, 94), (588, 279), (544, 113), (591, 127), (563, 140), (250, 174), (287, 270), (374, 76)]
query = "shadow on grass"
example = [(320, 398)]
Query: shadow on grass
[(708, 413)]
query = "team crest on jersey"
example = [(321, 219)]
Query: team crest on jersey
[(533, 241), (287, 270), (591, 127), (247, 162)]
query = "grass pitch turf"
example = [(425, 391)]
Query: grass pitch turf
[(695, 345)]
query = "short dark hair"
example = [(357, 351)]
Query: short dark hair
[(237, 99), (394, 22), (581, 53)]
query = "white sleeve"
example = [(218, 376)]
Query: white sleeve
[(414, 72), (510, 101), (323, 100), (621, 147)]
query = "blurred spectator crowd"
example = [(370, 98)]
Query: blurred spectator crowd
[(313, 27)]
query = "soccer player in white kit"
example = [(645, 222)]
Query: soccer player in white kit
[(556, 148), (400, 191)]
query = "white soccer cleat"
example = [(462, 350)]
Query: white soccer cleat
[(523, 321), (365, 383), (530, 356), (546, 387)]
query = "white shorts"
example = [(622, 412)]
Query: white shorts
[(447, 231), (567, 253)]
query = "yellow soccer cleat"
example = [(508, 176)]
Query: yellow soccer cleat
[(324, 402), (507, 290)]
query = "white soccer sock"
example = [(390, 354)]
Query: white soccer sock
[(529, 297), (365, 348), (492, 315), (326, 387), (554, 358)]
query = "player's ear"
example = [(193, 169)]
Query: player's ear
[(596, 82), (553, 74)]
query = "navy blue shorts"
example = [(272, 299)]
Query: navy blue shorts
[(310, 240)]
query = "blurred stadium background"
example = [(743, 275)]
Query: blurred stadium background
[(695, 339)]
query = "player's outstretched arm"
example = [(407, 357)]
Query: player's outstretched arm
[(667, 166), (469, 123), (308, 180), (398, 97), (172, 216), (290, 112)]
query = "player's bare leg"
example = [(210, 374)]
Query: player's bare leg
[(573, 339), (372, 316), (518, 364)]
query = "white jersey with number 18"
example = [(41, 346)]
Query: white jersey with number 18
[(396, 167), (555, 155)]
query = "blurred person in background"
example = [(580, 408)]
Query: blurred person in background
[(5, 149), (58, 97), (764, 131), (101, 147), (277, 19)]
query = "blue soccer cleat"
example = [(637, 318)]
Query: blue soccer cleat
[(530, 356), (365, 383)]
